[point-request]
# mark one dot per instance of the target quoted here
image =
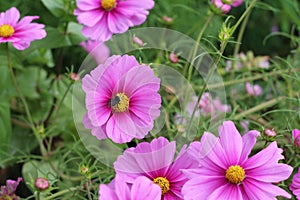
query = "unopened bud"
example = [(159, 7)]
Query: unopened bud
[(41, 184)]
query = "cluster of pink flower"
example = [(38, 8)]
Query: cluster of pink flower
[(213, 168)]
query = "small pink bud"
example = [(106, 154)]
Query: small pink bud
[(173, 57), (138, 41), (167, 19), (41, 184), (270, 133), (74, 76)]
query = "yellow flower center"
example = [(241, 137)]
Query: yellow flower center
[(108, 4), (163, 183), (235, 174), (119, 103), (6, 30)]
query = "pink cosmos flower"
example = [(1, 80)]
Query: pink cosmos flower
[(253, 90), (8, 191), (155, 161), (19, 33), (103, 18), (121, 99), (226, 172), (225, 5), (99, 51), (141, 189), (295, 185), (296, 137)]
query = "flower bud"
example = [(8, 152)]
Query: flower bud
[(41, 184), (269, 133)]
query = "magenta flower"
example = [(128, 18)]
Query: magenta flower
[(98, 50), (226, 172), (155, 161), (141, 189), (8, 191), (295, 185), (103, 18), (225, 5), (21, 33), (253, 90), (121, 99), (210, 106), (296, 137)]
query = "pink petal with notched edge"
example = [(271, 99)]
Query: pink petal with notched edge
[(270, 173), (271, 154), (145, 189), (257, 190), (227, 191), (200, 188), (85, 5), (249, 140), (10, 17), (117, 22), (90, 18), (118, 128), (98, 32), (146, 157), (106, 193), (229, 135)]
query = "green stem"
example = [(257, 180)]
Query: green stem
[(62, 100), (228, 83), (258, 107), (13, 77), (222, 48), (190, 72), (62, 193)]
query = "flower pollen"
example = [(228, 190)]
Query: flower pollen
[(163, 183), (235, 174), (108, 5), (6, 30), (119, 103)]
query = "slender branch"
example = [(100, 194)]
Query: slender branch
[(259, 107)]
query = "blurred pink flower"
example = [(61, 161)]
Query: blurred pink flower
[(103, 18), (295, 185), (226, 172), (156, 161), (245, 125), (224, 8), (138, 41), (270, 132), (21, 33), (141, 189), (121, 99), (173, 57), (225, 5), (99, 51), (253, 90), (210, 106), (8, 191), (296, 137)]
